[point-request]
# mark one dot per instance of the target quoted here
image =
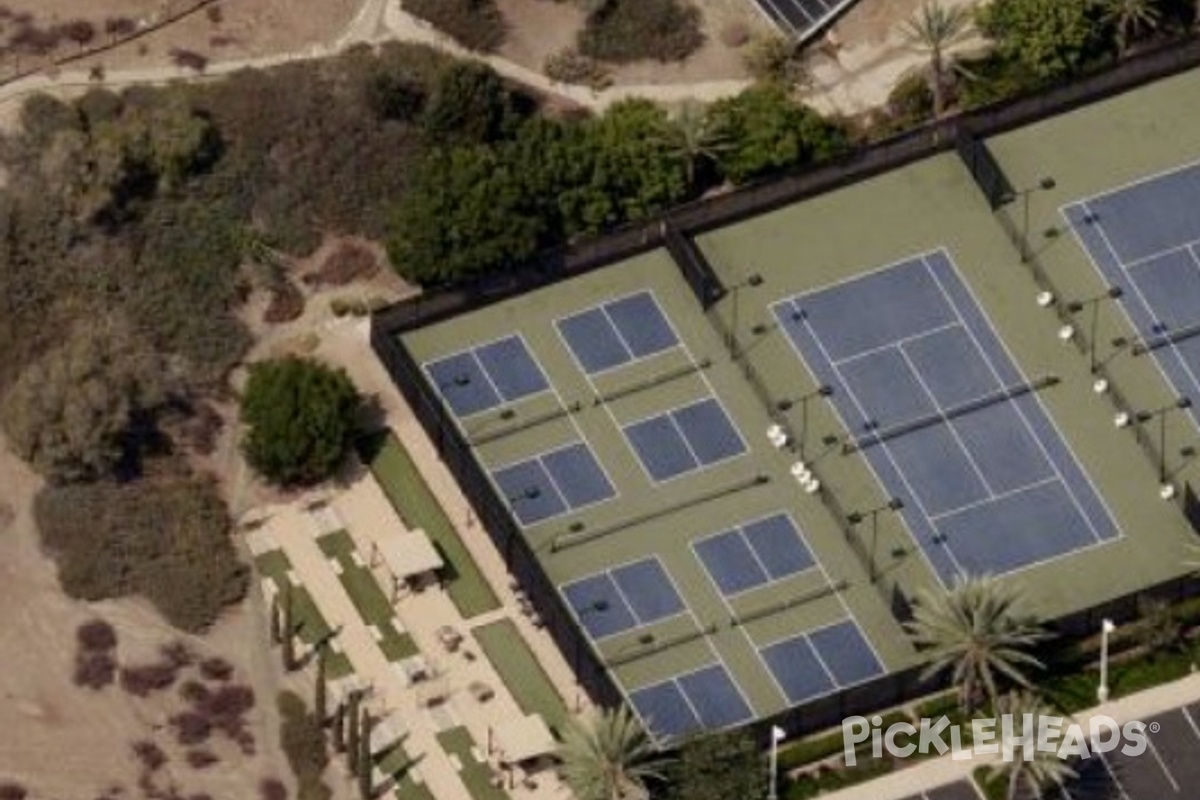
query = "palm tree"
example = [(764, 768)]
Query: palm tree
[(933, 30), (696, 137), (1130, 19), (973, 631), (1042, 768), (609, 756)]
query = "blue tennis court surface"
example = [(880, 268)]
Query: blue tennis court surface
[(753, 554), (706, 699), (617, 332), (684, 439), (818, 662), (553, 483), (1145, 239), (988, 484), (623, 598), (487, 375)]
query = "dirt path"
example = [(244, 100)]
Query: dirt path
[(855, 78)]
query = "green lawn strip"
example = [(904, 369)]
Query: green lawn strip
[(310, 623), (476, 776), (522, 674), (398, 764), (416, 505), (367, 596)]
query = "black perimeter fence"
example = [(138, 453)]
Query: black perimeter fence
[(676, 231)]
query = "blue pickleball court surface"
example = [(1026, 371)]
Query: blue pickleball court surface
[(754, 554), (622, 598), (486, 376), (684, 439), (617, 332), (553, 483), (706, 699), (988, 483), (1145, 239), (817, 662)]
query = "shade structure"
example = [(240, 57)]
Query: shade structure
[(408, 555), (525, 738)]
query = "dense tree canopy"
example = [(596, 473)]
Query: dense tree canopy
[(769, 132), (1050, 39), (718, 767), (301, 420), (71, 412)]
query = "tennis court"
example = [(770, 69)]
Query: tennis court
[(617, 332), (1145, 239), (554, 483), (623, 598), (820, 661), (754, 554), (487, 375), (684, 439), (946, 420)]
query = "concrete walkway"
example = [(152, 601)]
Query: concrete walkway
[(942, 771)]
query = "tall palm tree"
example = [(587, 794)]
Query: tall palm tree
[(1028, 765), (974, 631), (933, 30), (696, 137), (609, 756), (1130, 19)]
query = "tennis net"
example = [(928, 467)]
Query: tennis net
[(879, 436), (1167, 338)]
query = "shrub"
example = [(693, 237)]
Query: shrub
[(189, 59), (346, 263), (468, 104), (475, 24), (145, 680), (12, 791), (621, 31), (201, 758), (287, 304), (301, 417), (195, 693), (272, 789), (190, 727), (303, 742), (773, 59), (165, 540), (149, 754), (911, 101), (571, 66), (96, 635), (216, 669), (735, 34), (177, 654), (95, 670)]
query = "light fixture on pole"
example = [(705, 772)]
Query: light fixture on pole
[(731, 339), (1043, 185), (857, 517), (1143, 417), (778, 734), (786, 404), (1106, 627), (1113, 293)]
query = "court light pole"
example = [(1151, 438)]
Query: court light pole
[(1113, 293), (1043, 185), (1106, 628), (1143, 417), (752, 280), (777, 735), (857, 518), (824, 390)]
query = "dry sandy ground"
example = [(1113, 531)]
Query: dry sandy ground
[(246, 28), (67, 743)]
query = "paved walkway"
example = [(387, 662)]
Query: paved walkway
[(363, 510), (943, 771)]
